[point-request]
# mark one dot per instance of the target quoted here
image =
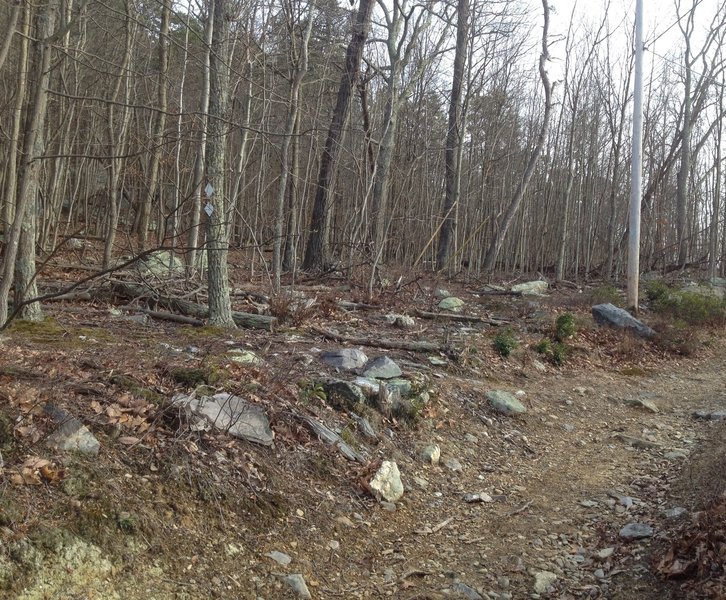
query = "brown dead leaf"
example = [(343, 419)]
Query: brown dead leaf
[(128, 440), (51, 473), (96, 407)]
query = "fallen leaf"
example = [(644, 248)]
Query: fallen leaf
[(128, 440)]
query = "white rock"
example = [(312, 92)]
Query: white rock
[(386, 483)]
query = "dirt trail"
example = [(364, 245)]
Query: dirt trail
[(570, 485)]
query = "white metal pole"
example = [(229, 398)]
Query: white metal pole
[(636, 165)]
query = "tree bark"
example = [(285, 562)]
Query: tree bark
[(316, 251), (220, 306), (152, 190), (27, 189), (454, 138)]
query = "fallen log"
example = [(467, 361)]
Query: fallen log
[(165, 316), (380, 343), (132, 291), (461, 318)]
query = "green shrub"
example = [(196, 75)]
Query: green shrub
[(605, 294), (691, 308), (657, 292), (565, 327), (544, 346), (505, 342), (560, 352)]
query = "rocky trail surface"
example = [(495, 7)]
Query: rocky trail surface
[(520, 479)]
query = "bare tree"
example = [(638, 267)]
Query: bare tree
[(506, 221), (454, 136), (316, 251)]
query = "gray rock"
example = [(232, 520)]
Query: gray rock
[(75, 244), (403, 386), (381, 367), (605, 553), (161, 264), (437, 361), (431, 454), (297, 582), (504, 402), (543, 581), (244, 357), (343, 394), (279, 557), (452, 303), (710, 415), (369, 386), (139, 318), (467, 592), (330, 437), (636, 531), (538, 366), (531, 288), (348, 359), (675, 512), (386, 483), (480, 497), (612, 316), (364, 426), (71, 435), (453, 465), (227, 413), (402, 321), (648, 405), (441, 293), (599, 574), (675, 455)]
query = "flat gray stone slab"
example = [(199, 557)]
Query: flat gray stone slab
[(617, 318), (505, 403), (348, 359), (636, 531), (230, 414), (71, 435), (381, 367)]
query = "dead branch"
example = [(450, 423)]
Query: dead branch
[(461, 318), (380, 343)]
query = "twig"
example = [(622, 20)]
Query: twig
[(522, 508)]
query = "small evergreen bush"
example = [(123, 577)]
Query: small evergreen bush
[(505, 342)]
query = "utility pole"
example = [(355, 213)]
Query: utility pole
[(636, 190)]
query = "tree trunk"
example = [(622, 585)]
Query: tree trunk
[(454, 138), (316, 251), (199, 161), (152, 190), (27, 190), (220, 306), (294, 105)]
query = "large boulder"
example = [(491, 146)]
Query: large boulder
[(348, 359), (451, 303), (612, 316), (531, 288), (162, 264), (381, 367), (228, 413)]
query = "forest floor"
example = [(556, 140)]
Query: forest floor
[(164, 511)]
